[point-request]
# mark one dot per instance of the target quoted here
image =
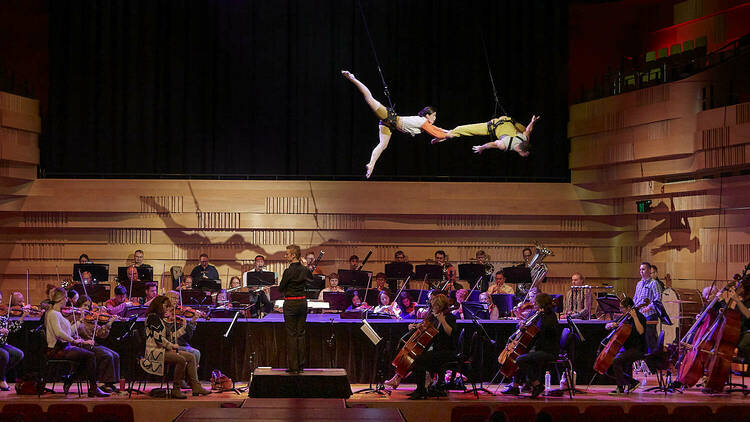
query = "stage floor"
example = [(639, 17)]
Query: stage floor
[(436, 409)]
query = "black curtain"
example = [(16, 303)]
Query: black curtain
[(143, 87)]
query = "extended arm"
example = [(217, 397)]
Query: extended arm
[(530, 126)]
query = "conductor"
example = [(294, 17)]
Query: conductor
[(292, 287)]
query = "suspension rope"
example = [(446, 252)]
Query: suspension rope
[(375, 54), (492, 80)]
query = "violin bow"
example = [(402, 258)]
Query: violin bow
[(80, 277)]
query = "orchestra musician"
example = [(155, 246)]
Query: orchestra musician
[(655, 276), (545, 347), (485, 297), (204, 270), (310, 261), (84, 259), (380, 283), (450, 275), (461, 296), (711, 290), (119, 303), (292, 287), (61, 344), (357, 303), (384, 304), (354, 262), (86, 278), (72, 298), (500, 286), (183, 337), (671, 305), (399, 256), (525, 309), (332, 285), (151, 293), (160, 350), (443, 347), (741, 297), (648, 290), (260, 264), (632, 350), (107, 360), (526, 254), (577, 303), (234, 283), (186, 283), (138, 259), (10, 356), (17, 299), (132, 272), (405, 306)]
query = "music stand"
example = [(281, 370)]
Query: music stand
[(136, 311), (99, 272), (662, 312), (431, 271), (478, 310), (609, 305), (318, 282), (193, 297), (473, 297), (517, 275), (242, 298), (338, 301), (139, 288), (504, 303), (259, 278), (398, 270), (144, 274), (97, 292), (557, 301), (354, 278), (471, 271)]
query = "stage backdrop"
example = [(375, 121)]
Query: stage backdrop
[(254, 87)]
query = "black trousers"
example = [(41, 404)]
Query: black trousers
[(86, 360), (295, 319), (9, 358), (530, 366), (430, 361), (622, 365)]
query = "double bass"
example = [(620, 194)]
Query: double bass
[(518, 344), (612, 344)]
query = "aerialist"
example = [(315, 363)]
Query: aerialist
[(413, 125), (509, 135)]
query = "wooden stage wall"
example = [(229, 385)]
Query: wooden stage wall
[(656, 143)]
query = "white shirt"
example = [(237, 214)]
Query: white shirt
[(57, 327), (412, 124)]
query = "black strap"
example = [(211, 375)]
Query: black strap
[(377, 62), (494, 124)]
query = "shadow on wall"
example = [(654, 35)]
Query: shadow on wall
[(675, 228)]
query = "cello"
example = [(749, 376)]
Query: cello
[(418, 342), (612, 344), (518, 344)]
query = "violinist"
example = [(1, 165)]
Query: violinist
[(132, 272), (443, 347), (62, 344), (183, 340), (405, 306), (633, 349), (151, 293), (16, 299), (72, 298), (107, 360), (544, 348), (357, 304), (384, 304), (648, 291), (332, 282), (118, 304), (160, 350), (9, 356), (500, 286), (485, 297)]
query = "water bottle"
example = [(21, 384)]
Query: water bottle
[(644, 373), (547, 382)]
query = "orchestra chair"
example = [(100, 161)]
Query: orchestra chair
[(658, 363), (733, 413), (455, 383), (693, 413), (518, 412), (67, 412), (55, 369), (141, 380), (743, 372), (469, 365), (607, 413), (113, 412), (470, 413), (647, 412), (26, 412), (563, 413), (564, 361)]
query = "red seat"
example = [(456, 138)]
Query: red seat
[(733, 413), (470, 414), (119, 412), (647, 412), (693, 413), (518, 412), (607, 413), (563, 413), (67, 412), (30, 412)]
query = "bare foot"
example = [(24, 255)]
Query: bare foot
[(369, 170), (436, 141), (348, 75)]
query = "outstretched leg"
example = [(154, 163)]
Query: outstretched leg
[(385, 136), (374, 104)]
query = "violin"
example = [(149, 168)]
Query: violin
[(188, 312), (17, 311), (69, 311), (100, 317)]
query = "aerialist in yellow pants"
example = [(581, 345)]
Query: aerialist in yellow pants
[(510, 135)]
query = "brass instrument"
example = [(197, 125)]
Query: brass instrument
[(538, 268)]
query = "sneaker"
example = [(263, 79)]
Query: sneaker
[(618, 392), (633, 386), (512, 390)]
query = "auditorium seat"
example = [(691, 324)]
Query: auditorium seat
[(604, 412), (67, 412), (647, 412), (693, 413), (113, 412), (30, 412), (563, 413), (470, 413), (733, 413), (518, 412)]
